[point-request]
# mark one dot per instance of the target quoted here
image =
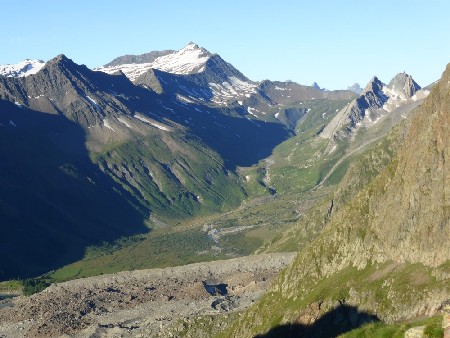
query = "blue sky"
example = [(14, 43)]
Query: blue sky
[(334, 43)]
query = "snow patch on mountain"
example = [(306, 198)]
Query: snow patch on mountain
[(21, 69), (151, 122), (231, 89), (123, 121), (90, 99), (188, 60), (107, 125), (184, 99)]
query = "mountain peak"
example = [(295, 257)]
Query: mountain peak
[(403, 83), (60, 61), (191, 59), (355, 88), (60, 58), (374, 85), (191, 45), (315, 85)]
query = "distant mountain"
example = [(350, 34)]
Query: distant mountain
[(188, 60), (376, 101), (143, 58), (194, 75), (356, 88), (170, 143), (24, 68), (316, 86)]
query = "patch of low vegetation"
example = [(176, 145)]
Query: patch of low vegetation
[(11, 286), (34, 285), (161, 248)]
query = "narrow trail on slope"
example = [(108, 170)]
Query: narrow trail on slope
[(339, 162)]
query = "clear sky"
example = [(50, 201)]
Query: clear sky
[(334, 43)]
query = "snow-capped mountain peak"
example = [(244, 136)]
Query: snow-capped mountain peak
[(24, 68), (189, 60)]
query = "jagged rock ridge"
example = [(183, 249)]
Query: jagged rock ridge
[(375, 102)]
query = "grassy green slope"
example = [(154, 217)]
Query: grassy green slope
[(172, 175)]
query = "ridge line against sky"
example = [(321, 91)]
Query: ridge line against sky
[(332, 43)]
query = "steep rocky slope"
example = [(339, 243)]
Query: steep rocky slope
[(386, 251)]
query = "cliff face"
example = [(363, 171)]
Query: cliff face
[(386, 251), (411, 212)]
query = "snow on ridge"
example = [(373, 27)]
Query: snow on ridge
[(231, 89), (396, 98), (107, 125), (21, 69), (253, 111), (91, 100), (122, 120), (188, 60), (153, 123), (131, 71), (184, 99), (279, 88)]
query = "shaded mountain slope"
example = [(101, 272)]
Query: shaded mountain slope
[(53, 201)]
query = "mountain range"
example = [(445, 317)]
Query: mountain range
[(181, 147)]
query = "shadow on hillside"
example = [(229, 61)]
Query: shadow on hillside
[(240, 141), (53, 201), (341, 319)]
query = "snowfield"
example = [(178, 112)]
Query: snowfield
[(190, 59), (21, 69)]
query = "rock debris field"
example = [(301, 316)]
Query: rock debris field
[(143, 302)]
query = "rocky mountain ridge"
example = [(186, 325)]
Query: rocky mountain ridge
[(211, 80), (375, 102)]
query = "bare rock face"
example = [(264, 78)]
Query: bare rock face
[(404, 84), (140, 302), (376, 101)]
